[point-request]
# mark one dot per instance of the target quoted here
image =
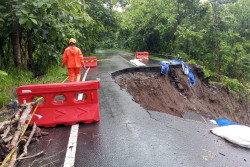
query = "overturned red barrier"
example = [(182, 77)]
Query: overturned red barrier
[(60, 104), (90, 61), (141, 55)]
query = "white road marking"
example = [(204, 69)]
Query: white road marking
[(85, 74), (71, 149)]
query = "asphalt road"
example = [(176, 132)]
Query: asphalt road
[(128, 135)]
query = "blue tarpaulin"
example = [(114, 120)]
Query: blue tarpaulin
[(165, 67), (225, 122), (186, 69), (191, 77)]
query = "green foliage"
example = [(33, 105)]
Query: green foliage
[(3, 73), (45, 27), (8, 82), (55, 74), (4, 99), (16, 78), (236, 87), (233, 84), (207, 72)]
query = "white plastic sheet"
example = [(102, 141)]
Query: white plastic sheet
[(137, 62), (238, 134)]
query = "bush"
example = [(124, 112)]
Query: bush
[(207, 72), (16, 78), (236, 87), (4, 99)]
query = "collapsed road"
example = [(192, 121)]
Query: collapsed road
[(129, 135)]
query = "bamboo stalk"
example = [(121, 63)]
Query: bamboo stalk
[(25, 150)]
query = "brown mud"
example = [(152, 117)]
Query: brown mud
[(172, 94)]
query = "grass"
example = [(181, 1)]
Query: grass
[(15, 78), (158, 58)]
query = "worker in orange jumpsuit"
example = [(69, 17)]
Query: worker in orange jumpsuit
[(74, 58)]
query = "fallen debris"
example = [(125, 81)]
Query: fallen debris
[(16, 136), (32, 156)]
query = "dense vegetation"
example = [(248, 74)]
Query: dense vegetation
[(34, 34), (213, 33)]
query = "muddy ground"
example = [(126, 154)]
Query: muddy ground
[(172, 94)]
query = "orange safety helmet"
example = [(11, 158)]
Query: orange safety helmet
[(72, 40)]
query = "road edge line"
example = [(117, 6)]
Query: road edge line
[(71, 149)]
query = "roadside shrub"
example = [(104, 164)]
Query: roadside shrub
[(236, 87), (207, 72), (16, 78), (4, 99), (3, 73)]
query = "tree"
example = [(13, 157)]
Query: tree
[(36, 32)]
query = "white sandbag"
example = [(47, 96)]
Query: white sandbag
[(213, 121), (237, 134)]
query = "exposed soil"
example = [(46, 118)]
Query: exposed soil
[(172, 94)]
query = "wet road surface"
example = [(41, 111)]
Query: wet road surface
[(128, 135)]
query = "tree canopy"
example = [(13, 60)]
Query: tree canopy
[(34, 33)]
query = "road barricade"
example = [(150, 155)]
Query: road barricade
[(141, 55), (90, 61), (60, 103)]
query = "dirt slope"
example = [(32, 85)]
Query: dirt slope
[(172, 94)]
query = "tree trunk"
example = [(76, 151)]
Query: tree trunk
[(177, 23), (16, 45), (26, 54), (31, 60), (2, 60), (217, 43), (21, 125), (218, 62), (7, 58)]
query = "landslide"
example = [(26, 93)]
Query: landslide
[(172, 94)]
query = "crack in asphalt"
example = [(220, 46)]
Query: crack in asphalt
[(152, 117)]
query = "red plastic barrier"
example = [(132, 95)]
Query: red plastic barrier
[(90, 61), (141, 55), (68, 112)]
